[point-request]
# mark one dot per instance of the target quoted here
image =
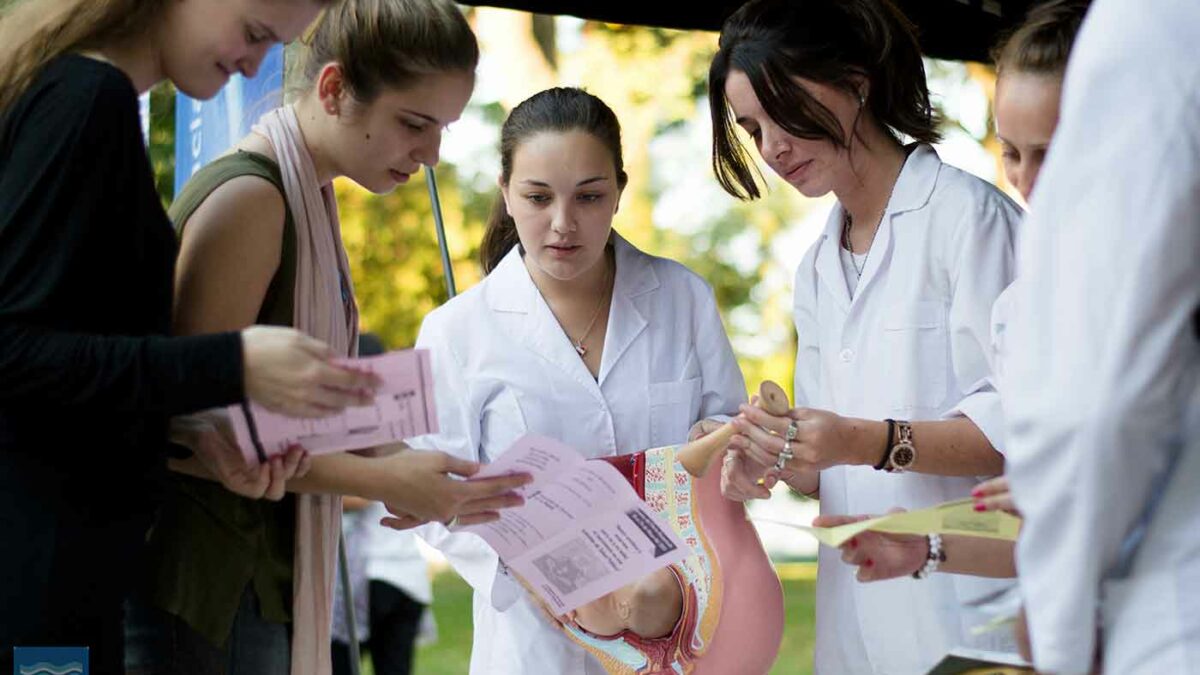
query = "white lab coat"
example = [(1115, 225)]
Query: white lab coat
[(914, 343), (504, 367), (1104, 361)]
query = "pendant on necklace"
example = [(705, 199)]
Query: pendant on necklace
[(581, 349)]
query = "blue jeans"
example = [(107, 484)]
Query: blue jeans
[(160, 643)]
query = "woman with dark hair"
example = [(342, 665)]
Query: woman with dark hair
[(893, 378), (573, 334), (1030, 64)]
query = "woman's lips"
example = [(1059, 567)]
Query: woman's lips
[(562, 250), (797, 171)]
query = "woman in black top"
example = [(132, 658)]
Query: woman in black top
[(88, 376)]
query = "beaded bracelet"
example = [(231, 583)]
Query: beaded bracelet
[(934, 559)]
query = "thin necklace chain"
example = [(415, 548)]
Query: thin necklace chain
[(578, 344), (847, 222)]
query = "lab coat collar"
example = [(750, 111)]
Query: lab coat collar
[(635, 277), (914, 187), (510, 289)]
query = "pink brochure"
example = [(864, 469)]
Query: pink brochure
[(582, 532), (403, 408)]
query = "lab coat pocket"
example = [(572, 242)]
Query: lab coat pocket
[(501, 422), (674, 407), (917, 354)]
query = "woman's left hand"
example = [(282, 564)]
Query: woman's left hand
[(878, 555), (822, 439), (993, 495)]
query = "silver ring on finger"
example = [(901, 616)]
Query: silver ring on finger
[(452, 523), (791, 431), (784, 456)]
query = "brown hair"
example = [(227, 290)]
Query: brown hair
[(35, 32), (834, 42), (387, 43), (1042, 43), (560, 109)]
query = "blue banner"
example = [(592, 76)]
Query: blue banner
[(205, 129), (50, 661)]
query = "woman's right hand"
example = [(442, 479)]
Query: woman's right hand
[(291, 373), (420, 488)]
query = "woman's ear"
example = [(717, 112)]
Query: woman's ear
[(331, 87), (862, 86)]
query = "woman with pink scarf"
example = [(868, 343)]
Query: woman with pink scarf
[(260, 242)]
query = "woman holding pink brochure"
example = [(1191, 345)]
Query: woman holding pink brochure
[(573, 334)]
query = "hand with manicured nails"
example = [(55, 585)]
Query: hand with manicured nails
[(291, 373), (877, 555), (421, 488), (993, 495)]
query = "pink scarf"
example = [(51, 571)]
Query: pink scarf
[(324, 308)]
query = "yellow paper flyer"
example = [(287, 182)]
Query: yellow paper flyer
[(953, 518)]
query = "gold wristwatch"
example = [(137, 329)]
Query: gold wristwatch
[(902, 454)]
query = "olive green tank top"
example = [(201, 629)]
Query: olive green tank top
[(209, 543)]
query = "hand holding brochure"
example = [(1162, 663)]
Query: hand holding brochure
[(955, 517), (582, 532), (403, 408)]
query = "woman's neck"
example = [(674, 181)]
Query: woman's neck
[(875, 165), (138, 59), (315, 127)]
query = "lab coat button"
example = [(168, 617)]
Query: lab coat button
[(847, 355)]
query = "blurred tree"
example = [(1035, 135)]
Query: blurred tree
[(655, 80)]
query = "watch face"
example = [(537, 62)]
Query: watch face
[(903, 455)]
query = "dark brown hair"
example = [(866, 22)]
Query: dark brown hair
[(1042, 43), (838, 43), (386, 43), (561, 109)]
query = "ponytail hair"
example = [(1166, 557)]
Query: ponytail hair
[(35, 32), (560, 109), (499, 238), (1042, 43), (386, 44)]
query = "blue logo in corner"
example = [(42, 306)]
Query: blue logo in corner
[(50, 661)]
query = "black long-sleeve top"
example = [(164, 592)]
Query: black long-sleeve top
[(88, 376)]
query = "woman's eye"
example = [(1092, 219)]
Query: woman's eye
[(416, 127), (537, 198), (254, 38), (590, 197)]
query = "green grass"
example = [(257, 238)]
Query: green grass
[(451, 654)]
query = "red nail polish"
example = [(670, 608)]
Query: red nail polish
[(981, 507), (853, 543), (976, 493), (869, 563)]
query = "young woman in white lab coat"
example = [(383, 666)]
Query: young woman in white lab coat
[(892, 304), (573, 334), (1029, 68)]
